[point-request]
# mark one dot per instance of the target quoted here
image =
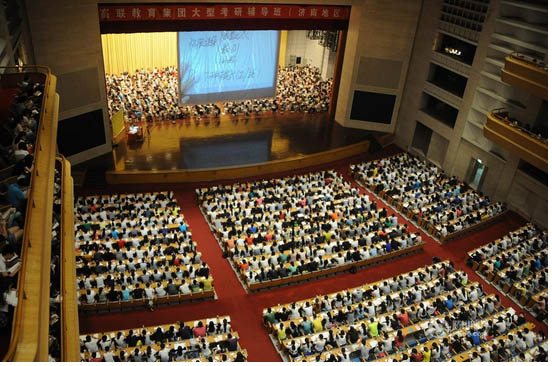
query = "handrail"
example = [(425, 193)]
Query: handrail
[(533, 61), (69, 310), (36, 212)]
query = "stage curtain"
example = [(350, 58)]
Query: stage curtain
[(117, 123), (130, 51)]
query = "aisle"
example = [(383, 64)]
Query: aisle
[(245, 309)]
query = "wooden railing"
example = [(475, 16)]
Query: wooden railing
[(70, 348), (516, 140), (526, 74), (29, 337)]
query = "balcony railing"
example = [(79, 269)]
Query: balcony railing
[(70, 347), (526, 73), (506, 132), (29, 337)]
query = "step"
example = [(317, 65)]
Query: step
[(501, 99), (480, 110), (519, 23), (495, 61), (501, 48), (493, 77), (525, 5), (519, 42)]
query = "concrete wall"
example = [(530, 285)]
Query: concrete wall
[(383, 29), (529, 198), (66, 37), (310, 51)]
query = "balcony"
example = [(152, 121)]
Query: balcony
[(30, 325), (505, 132), (526, 73)]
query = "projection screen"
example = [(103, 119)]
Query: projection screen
[(219, 66)]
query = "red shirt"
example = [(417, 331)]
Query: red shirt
[(200, 331), (121, 243), (397, 342), (403, 317)]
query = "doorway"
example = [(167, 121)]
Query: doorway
[(476, 174)]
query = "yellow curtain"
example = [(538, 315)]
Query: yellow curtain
[(128, 52)]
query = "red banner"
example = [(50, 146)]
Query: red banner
[(119, 13)]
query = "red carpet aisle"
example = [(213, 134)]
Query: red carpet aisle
[(245, 309)]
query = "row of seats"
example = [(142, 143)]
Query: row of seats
[(204, 340), (517, 264), (292, 227), (432, 313), (445, 206), (135, 250)]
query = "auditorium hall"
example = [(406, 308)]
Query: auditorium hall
[(274, 181)]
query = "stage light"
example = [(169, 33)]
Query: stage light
[(453, 51)]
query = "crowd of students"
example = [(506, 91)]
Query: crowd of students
[(205, 340), (517, 263), (433, 313), (17, 138), (427, 194), (136, 246), (296, 225), (152, 95)]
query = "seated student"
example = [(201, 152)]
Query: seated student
[(199, 330), (415, 356)]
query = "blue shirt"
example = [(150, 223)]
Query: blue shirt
[(373, 252), (307, 326), (449, 304), (15, 195), (475, 338), (115, 234), (183, 228)]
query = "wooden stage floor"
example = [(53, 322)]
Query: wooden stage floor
[(227, 142)]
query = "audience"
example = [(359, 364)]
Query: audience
[(136, 246), (284, 227), (539, 132), (517, 264), (55, 335), (152, 95), (17, 139), (424, 193), (201, 340), (430, 314)]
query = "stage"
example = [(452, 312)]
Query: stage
[(226, 147)]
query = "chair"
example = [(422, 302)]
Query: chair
[(139, 303), (102, 306), (115, 305), (127, 304), (162, 300), (87, 307), (174, 299)]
